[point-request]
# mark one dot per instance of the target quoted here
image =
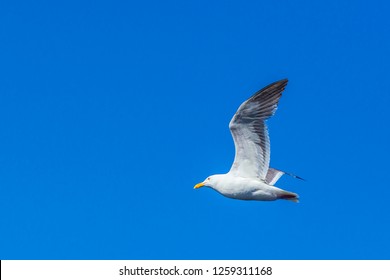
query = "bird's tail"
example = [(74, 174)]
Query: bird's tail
[(289, 196)]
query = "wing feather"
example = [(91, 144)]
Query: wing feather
[(273, 175)]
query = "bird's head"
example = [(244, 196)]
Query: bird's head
[(209, 182)]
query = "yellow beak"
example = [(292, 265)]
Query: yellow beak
[(197, 186)]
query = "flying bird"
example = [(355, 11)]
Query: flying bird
[(250, 177)]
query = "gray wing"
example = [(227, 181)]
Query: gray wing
[(250, 132), (273, 175)]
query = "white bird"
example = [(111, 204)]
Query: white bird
[(250, 177)]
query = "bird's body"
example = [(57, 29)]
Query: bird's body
[(250, 177), (248, 188)]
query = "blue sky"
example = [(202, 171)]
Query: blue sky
[(112, 111)]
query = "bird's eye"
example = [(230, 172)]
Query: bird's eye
[(208, 179)]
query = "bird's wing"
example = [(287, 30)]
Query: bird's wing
[(250, 132), (273, 175)]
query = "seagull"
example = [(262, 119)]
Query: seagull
[(250, 177)]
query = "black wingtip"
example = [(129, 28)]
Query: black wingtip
[(285, 80), (275, 88), (282, 82), (295, 176), (300, 178)]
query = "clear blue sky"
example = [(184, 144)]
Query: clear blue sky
[(111, 111)]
